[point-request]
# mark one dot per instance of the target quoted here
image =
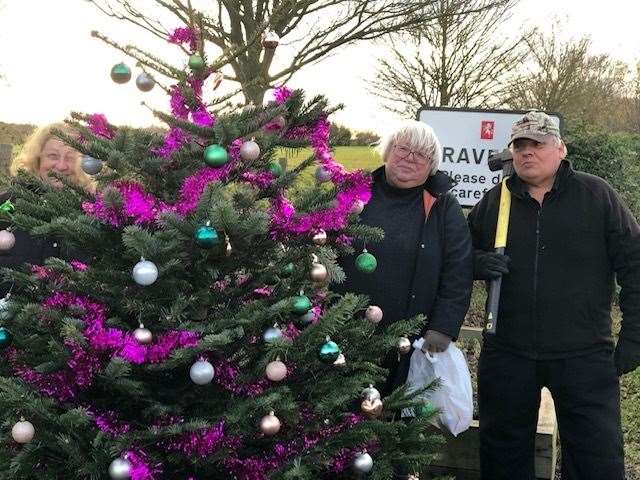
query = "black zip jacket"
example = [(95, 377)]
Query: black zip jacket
[(565, 255), (424, 265)]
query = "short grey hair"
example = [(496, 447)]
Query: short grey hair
[(418, 136)]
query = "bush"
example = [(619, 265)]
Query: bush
[(612, 156)]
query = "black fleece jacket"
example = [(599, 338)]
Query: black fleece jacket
[(565, 255)]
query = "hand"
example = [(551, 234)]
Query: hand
[(627, 356), (435, 342), (489, 265)]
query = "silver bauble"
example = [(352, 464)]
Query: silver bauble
[(404, 345), (370, 393), (319, 273), (145, 272), (373, 314), (320, 237), (120, 469), (145, 82), (270, 424), (340, 362), (23, 431), (7, 240), (250, 151), (228, 250), (90, 165), (308, 317), (272, 334), (363, 463), (4, 308), (322, 174), (357, 207), (143, 335), (201, 372)]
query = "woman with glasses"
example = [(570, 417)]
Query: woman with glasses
[(424, 261)]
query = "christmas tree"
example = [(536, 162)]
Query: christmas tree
[(195, 335)]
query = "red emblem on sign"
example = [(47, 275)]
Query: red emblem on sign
[(486, 129)]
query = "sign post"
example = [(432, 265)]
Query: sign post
[(469, 137)]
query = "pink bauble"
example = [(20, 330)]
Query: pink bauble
[(250, 151), (23, 432), (270, 424), (276, 371), (373, 314), (7, 240), (357, 207)]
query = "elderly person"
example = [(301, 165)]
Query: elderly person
[(42, 153), (425, 259), (569, 237)]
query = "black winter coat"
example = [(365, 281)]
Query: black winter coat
[(28, 249), (556, 299)]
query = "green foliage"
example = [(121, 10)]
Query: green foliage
[(228, 295), (612, 156)]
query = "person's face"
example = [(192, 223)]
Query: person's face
[(537, 162), (406, 167), (59, 157)]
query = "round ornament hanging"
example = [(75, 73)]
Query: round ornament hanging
[(366, 263), (7, 240), (373, 314), (215, 155), (206, 236), (145, 82), (301, 304), (5, 337), (276, 371), (120, 469), (270, 424), (143, 335), (272, 334), (145, 272), (23, 431), (196, 62), (329, 351), (363, 463), (250, 151), (120, 73), (90, 165), (201, 372)]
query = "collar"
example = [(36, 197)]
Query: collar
[(519, 188), (436, 184)]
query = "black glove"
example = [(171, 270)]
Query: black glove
[(489, 265), (627, 356)]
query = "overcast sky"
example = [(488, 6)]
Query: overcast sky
[(52, 65)]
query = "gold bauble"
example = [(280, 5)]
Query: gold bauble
[(371, 408), (319, 273)]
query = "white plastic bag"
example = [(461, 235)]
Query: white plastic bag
[(454, 397)]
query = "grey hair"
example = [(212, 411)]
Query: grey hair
[(418, 136)]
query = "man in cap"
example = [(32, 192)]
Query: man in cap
[(569, 238)]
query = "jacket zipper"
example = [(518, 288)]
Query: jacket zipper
[(535, 280)]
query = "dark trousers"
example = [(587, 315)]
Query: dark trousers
[(586, 394)]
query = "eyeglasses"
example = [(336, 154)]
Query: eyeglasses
[(403, 152)]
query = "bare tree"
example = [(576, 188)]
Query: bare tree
[(315, 27), (459, 60), (564, 77)]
